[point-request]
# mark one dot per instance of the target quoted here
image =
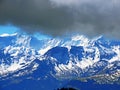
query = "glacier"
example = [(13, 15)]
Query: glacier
[(50, 63)]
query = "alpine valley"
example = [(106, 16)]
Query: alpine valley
[(28, 63)]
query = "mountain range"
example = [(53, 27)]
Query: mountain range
[(29, 63)]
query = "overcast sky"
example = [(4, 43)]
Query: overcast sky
[(59, 17)]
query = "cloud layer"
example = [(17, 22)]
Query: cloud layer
[(59, 17)]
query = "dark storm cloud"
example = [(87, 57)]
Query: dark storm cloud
[(58, 17), (35, 15)]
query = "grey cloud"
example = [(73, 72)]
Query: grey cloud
[(59, 17)]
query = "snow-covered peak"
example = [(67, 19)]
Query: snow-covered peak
[(7, 35), (79, 37), (17, 52), (23, 40)]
